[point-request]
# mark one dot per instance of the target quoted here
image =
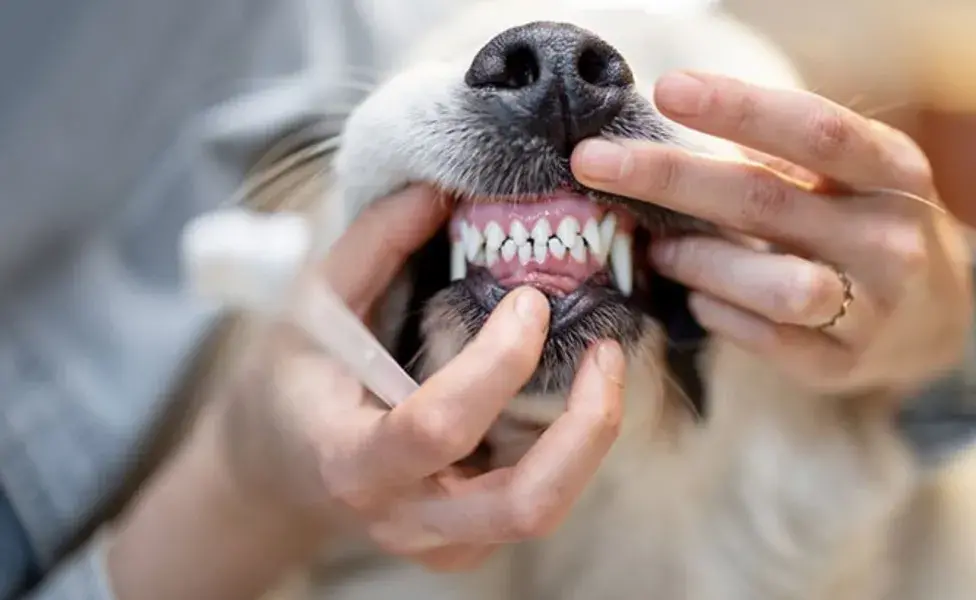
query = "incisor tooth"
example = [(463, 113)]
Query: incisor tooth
[(568, 231), (459, 265), (491, 256), (542, 231), (578, 250), (557, 248), (622, 263), (539, 251), (509, 249), (473, 241), (518, 232), (494, 236), (525, 254), (591, 233)]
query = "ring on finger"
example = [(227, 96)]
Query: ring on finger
[(848, 298)]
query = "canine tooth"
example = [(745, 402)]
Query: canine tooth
[(591, 233), (578, 250), (542, 231), (473, 242), (518, 232), (525, 253), (459, 264), (539, 250), (622, 263), (494, 236), (509, 249), (491, 256), (479, 257), (568, 231), (557, 248)]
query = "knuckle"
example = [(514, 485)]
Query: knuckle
[(442, 437), (533, 513), (662, 172), (741, 108), (812, 292), (766, 201), (829, 135), (901, 245)]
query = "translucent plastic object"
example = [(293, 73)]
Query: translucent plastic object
[(253, 261)]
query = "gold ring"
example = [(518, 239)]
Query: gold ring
[(845, 303)]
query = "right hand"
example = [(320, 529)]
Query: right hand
[(301, 435)]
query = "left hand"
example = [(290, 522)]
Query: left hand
[(906, 262)]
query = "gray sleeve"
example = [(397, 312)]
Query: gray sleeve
[(82, 576)]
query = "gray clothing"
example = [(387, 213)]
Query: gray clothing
[(119, 121)]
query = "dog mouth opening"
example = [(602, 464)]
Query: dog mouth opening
[(579, 253)]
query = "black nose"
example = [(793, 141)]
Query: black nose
[(555, 80)]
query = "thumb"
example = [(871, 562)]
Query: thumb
[(365, 259)]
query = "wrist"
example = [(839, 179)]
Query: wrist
[(192, 533)]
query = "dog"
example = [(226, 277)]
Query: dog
[(753, 486)]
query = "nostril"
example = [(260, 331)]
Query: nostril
[(603, 67), (521, 68), (504, 66)]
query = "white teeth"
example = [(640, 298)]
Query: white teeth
[(494, 236), (568, 231), (599, 239), (542, 231), (518, 233), (557, 248), (491, 256), (607, 228), (459, 263), (540, 249), (509, 249), (591, 233), (578, 251), (622, 263), (473, 241)]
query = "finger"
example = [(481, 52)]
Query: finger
[(379, 242), (779, 287), (449, 415), (532, 498), (745, 197), (802, 127), (451, 559), (801, 351)]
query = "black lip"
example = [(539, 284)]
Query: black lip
[(565, 311)]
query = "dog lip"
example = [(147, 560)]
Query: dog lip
[(565, 310)]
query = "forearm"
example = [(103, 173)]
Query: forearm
[(191, 535)]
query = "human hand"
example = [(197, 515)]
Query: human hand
[(301, 435), (908, 314)]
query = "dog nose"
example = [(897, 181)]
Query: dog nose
[(557, 81)]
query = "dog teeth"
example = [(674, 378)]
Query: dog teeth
[(622, 262), (599, 239), (607, 230), (591, 235), (557, 248), (542, 231), (568, 231), (518, 233), (494, 236), (509, 250), (473, 241), (459, 262)]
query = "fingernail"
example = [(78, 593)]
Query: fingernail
[(531, 306), (600, 160), (680, 94), (610, 361)]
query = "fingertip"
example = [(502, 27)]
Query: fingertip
[(601, 160), (531, 307), (609, 358)]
